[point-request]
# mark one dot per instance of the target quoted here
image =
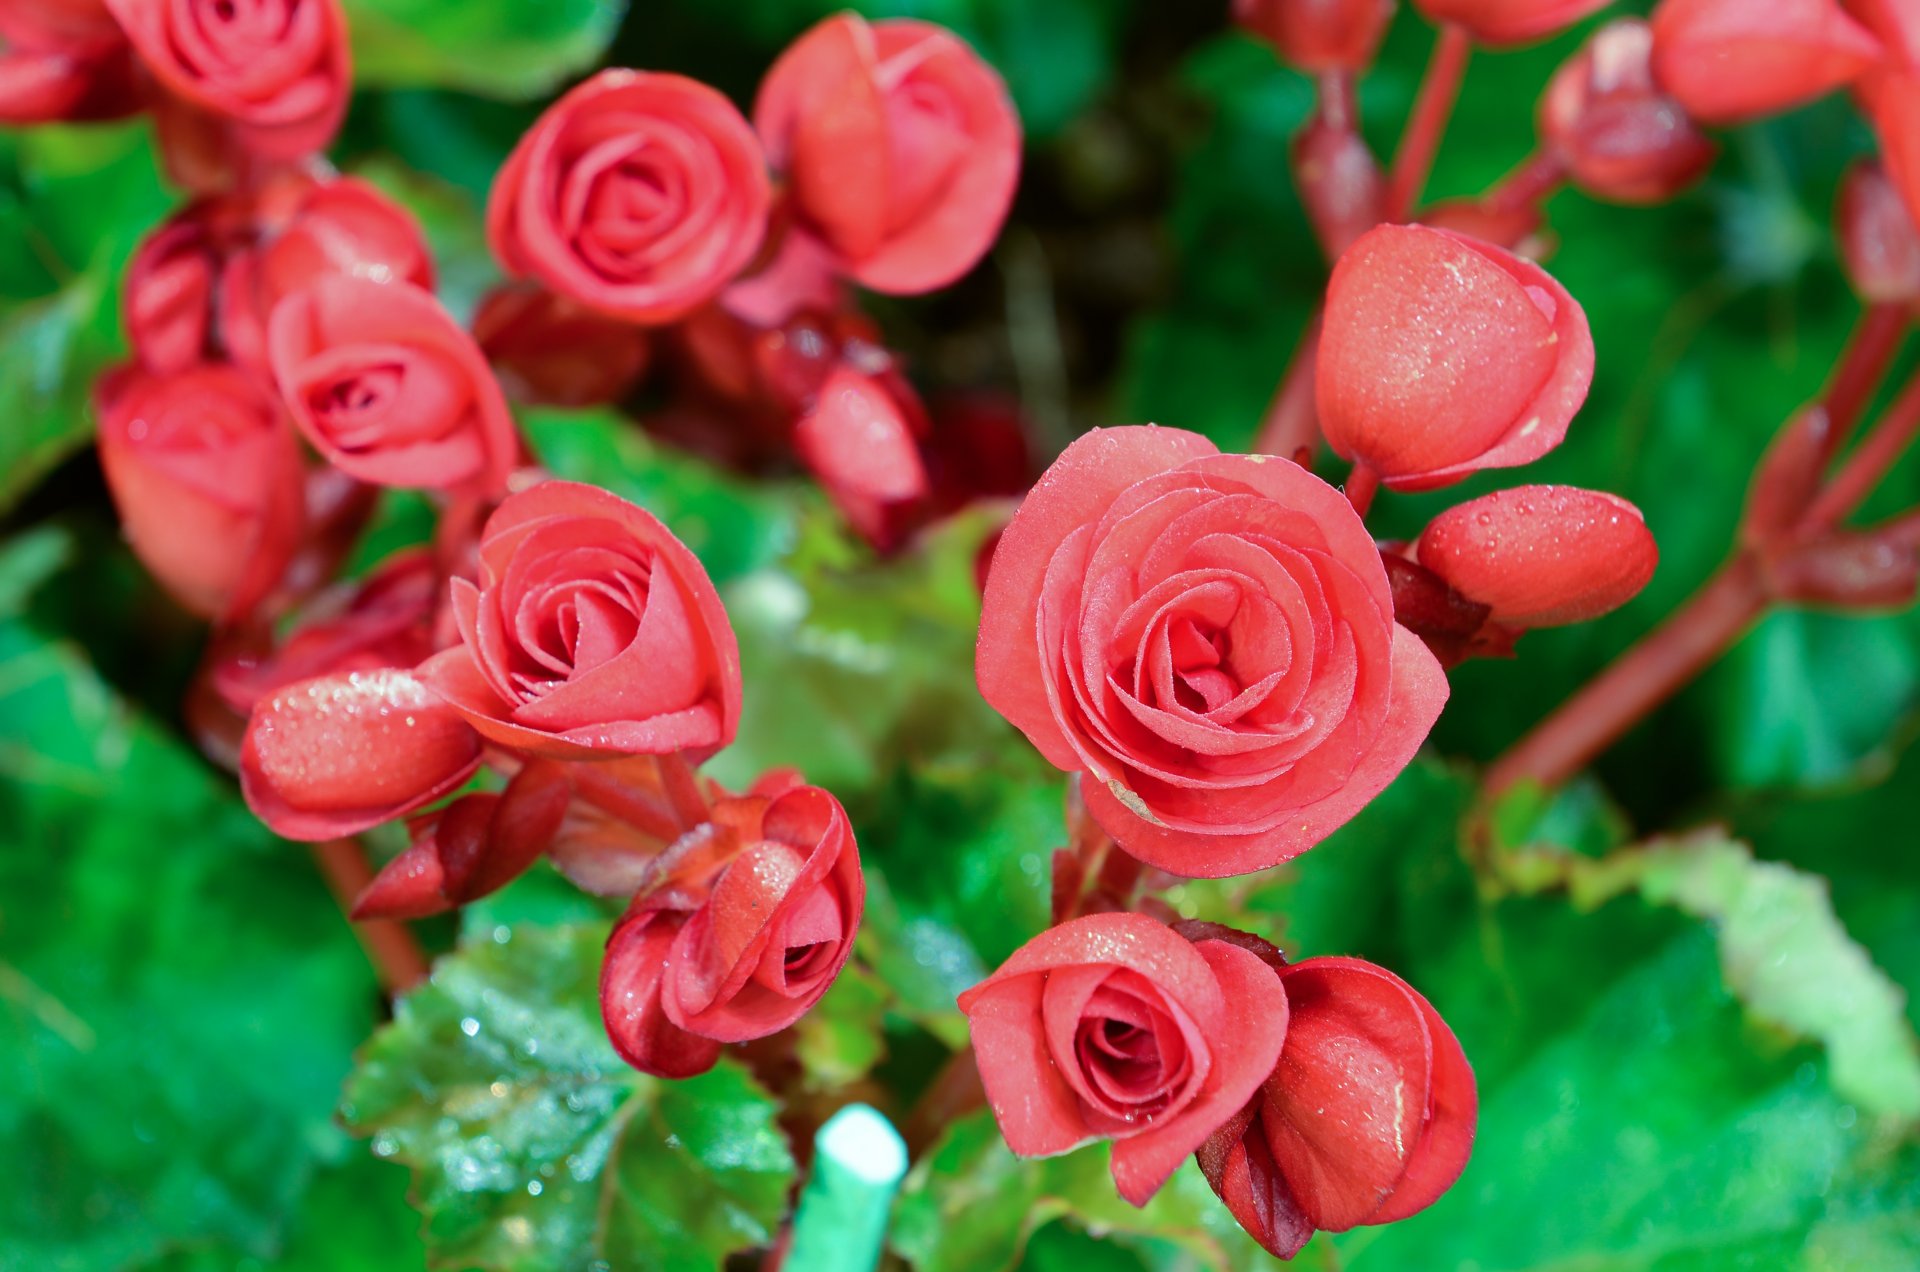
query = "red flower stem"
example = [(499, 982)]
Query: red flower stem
[(1528, 185), (1863, 470), (1362, 485), (682, 786), (954, 1092), (389, 943), (1339, 101), (1439, 90), (1696, 634), (1637, 682), (1875, 339)]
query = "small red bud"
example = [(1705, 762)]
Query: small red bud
[(1619, 137), (1367, 1118), (1318, 35), (1542, 556), (1729, 61), (1423, 604), (1442, 354), (1509, 22), (1340, 182), (1878, 239), (337, 754), (860, 444)]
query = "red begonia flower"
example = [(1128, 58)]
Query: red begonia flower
[(900, 146), (593, 633), (1113, 1026), (1367, 1118), (205, 474), (345, 228), (389, 388), (476, 845), (550, 350), (740, 928), (637, 194), (1508, 22), (178, 293), (1210, 639), (1318, 35), (337, 754), (275, 74), (1728, 61), (1442, 354), (1620, 137), (1542, 556)]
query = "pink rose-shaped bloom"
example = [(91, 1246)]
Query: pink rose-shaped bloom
[(1542, 556), (1210, 639), (737, 930), (1113, 1026), (1367, 1118), (205, 475), (638, 194), (338, 754), (900, 147), (1508, 22), (1729, 61), (593, 632), (389, 388), (276, 73), (1443, 354)]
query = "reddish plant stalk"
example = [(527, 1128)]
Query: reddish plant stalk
[(1528, 185), (1362, 485), (1439, 90), (389, 943), (1291, 423), (1695, 635)]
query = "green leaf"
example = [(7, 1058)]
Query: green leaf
[(178, 993), (493, 48), (535, 1147), (1782, 950)]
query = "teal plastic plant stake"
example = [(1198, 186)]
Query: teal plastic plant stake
[(859, 1161)]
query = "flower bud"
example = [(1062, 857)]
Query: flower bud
[(1542, 556), (900, 147), (856, 440), (1340, 182), (1728, 61), (173, 301), (344, 227), (1367, 1118), (1847, 571), (63, 61), (476, 845), (1507, 22), (1619, 137), (741, 927), (1442, 354), (205, 475), (1878, 240), (547, 349), (1318, 35), (338, 754)]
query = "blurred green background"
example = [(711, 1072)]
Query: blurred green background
[(1696, 1055)]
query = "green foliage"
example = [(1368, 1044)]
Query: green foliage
[(178, 994), (495, 48), (535, 1147)]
